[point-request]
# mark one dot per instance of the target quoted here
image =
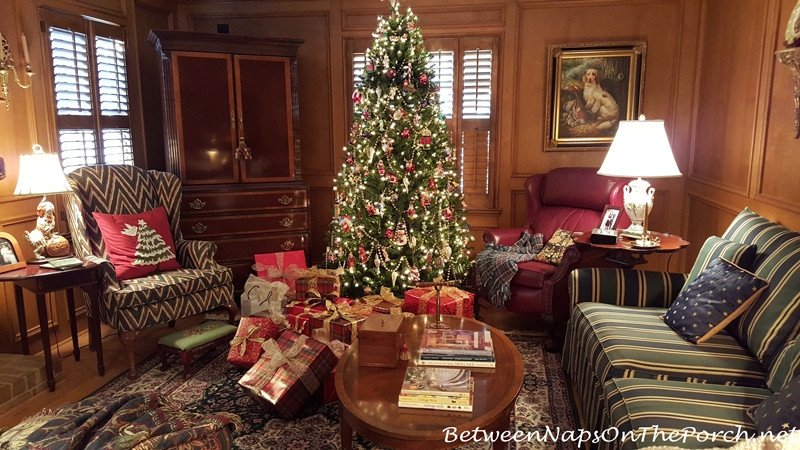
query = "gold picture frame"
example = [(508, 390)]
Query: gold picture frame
[(10, 253), (591, 87)]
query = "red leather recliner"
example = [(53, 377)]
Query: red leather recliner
[(570, 198)]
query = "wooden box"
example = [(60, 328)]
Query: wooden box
[(380, 340)]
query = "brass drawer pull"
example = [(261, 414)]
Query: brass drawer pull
[(287, 245), (286, 222), (199, 228), (285, 200), (197, 204)]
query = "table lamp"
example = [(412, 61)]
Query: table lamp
[(40, 173), (640, 149)]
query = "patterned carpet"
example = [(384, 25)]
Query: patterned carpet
[(542, 402)]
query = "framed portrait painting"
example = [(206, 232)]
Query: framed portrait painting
[(591, 87), (10, 253)]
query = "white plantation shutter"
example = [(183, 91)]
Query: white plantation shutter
[(442, 62), (474, 161), (477, 84), (359, 63), (90, 85), (70, 56)]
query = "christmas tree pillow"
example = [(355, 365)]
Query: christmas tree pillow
[(138, 244)]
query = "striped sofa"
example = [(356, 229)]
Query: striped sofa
[(630, 371)]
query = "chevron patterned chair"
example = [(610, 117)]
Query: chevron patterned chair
[(133, 305)]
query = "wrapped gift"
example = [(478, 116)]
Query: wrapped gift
[(339, 319), (316, 283), (281, 266), (262, 295), (246, 346), (385, 302), (454, 301), (290, 372)]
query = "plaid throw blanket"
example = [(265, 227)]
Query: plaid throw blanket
[(496, 265)]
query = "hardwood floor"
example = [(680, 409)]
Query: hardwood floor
[(79, 379)]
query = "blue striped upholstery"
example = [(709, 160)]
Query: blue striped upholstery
[(714, 247), (637, 404), (786, 366), (773, 318), (624, 287), (608, 341)]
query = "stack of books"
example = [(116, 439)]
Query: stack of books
[(437, 388), (456, 348)]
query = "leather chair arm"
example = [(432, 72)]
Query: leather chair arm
[(502, 236)]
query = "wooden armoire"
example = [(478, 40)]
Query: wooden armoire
[(231, 135)]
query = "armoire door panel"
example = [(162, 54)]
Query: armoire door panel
[(264, 104), (205, 114)]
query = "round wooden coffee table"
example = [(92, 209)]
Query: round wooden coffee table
[(368, 395)]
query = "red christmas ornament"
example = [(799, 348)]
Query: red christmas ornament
[(389, 233), (448, 214), (356, 97), (365, 114), (381, 168), (371, 209), (345, 223), (370, 67), (351, 261), (411, 212), (426, 137), (350, 160), (423, 78), (405, 133), (391, 73), (362, 254), (392, 178), (410, 167), (431, 183), (424, 200)]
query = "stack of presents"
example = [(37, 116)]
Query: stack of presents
[(295, 326)]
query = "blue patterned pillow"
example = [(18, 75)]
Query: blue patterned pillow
[(718, 295), (780, 411)]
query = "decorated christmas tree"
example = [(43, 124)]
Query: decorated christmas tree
[(399, 213), (150, 246)]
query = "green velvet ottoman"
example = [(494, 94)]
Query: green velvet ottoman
[(186, 343)]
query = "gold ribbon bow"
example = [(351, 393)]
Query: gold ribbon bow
[(273, 359), (314, 273), (385, 295), (447, 292), (240, 341)]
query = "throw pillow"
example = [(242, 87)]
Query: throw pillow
[(553, 251), (138, 244), (718, 295), (786, 365), (715, 247), (779, 412)]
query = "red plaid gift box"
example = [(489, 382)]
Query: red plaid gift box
[(339, 319), (316, 283), (454, 301), (291, 370), (281, 266), (246, 346)]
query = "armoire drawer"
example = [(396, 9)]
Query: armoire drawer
[(199, 227), (200, 203), (243, 248)]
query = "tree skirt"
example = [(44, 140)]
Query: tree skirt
[(542, 402)]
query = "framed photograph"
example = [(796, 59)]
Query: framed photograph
[(610, 218), (10, 253), (591, 87)]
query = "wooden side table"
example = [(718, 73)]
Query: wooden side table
[(625, 254), (41, 281)]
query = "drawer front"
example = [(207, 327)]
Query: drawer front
[(200, 203), (209, 226), (243, 248)]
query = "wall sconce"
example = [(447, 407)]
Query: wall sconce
[(7, 64)]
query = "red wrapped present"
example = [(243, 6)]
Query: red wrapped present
[(281, 266), (316, 283), (246, 346), (454, 301), (339, 319), (290, 372), (385, 302)]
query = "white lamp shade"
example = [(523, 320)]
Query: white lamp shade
[(640, 149), (40, 174)]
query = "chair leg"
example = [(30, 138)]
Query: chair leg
[(128, 339), (230, 306)]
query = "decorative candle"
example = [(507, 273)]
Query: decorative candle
[(25, 53)]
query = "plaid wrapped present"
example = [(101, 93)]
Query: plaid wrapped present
[(339, 319), (246, 346), (454, 301), (316, 283), (291, 370), (281, 266), (385, 302)]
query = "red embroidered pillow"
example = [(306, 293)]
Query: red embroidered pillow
[(138, 244)]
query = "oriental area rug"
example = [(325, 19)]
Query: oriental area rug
[(542, 402)]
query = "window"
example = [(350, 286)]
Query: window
[(90, 88), (465, 69)]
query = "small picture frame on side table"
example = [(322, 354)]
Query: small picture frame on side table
[(610, 218), (10, 253)]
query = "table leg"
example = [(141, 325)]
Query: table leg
[(73, 325), (504, 425), (93, 291), (23, 322), (346, 432), (45, 335)]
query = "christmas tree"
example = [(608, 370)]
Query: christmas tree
[(399, 213), (150, 246)]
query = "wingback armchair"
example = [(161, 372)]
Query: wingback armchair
[(135, 304), (570, 198)]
